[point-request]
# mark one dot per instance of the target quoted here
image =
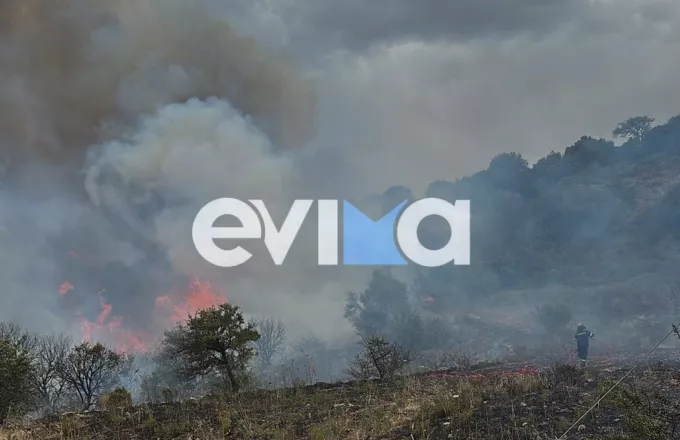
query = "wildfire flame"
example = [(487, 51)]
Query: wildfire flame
[(110, 328), (199, 296), (65, 288)]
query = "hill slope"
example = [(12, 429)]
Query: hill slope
[(524, 404)]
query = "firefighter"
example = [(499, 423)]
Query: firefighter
[(582, 337)]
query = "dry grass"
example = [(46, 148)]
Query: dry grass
[(417, 407)]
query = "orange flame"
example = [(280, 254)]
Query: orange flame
[(110, 329), (65, 288), (200, 296), (112, 332)]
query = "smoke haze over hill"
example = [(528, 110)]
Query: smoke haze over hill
[(120, 119)]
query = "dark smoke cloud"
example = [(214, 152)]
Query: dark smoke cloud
[(357, 25), (78, 78), (74, 73)]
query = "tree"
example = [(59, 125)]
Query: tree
[(16, 335), (508, 164), (15, 379), (374, 310), (633, 128), (163, 380), (379, 358), (214, 340), (549, 168), (589, 150), (408, 330), (270, 343), (51, 353), (90, 370)]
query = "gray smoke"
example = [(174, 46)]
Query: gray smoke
[(119, 119), (103, 64)]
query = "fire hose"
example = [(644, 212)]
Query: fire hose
[(607, 358)]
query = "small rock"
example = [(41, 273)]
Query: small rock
[(581, 427)]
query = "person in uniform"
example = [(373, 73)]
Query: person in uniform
[(583, 336)]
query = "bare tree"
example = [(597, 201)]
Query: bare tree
[(379, 358), (90, 370), (272, 337), (18, 336), (50, 355)]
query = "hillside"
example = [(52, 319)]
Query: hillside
[(587, 235), (592, 229), (596, 213), (489, 404), (121, 122)]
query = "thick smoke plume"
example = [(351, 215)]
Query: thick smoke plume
[(77, 72), (118, 120)]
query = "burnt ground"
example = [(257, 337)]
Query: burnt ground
[(511, 401)]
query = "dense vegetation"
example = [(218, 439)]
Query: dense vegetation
[(594, 227), (595, 213)]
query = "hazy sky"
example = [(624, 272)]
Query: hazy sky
[(420, 89)]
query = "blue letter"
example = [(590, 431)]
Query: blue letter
[(369, 243)]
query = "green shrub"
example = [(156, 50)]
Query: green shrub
[(15, 380), (119, 398)]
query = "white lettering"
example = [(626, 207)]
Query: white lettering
[(279, 242), (457, 216), (328, 232), (204, 232)]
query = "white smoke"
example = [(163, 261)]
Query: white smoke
[(201, 150)]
